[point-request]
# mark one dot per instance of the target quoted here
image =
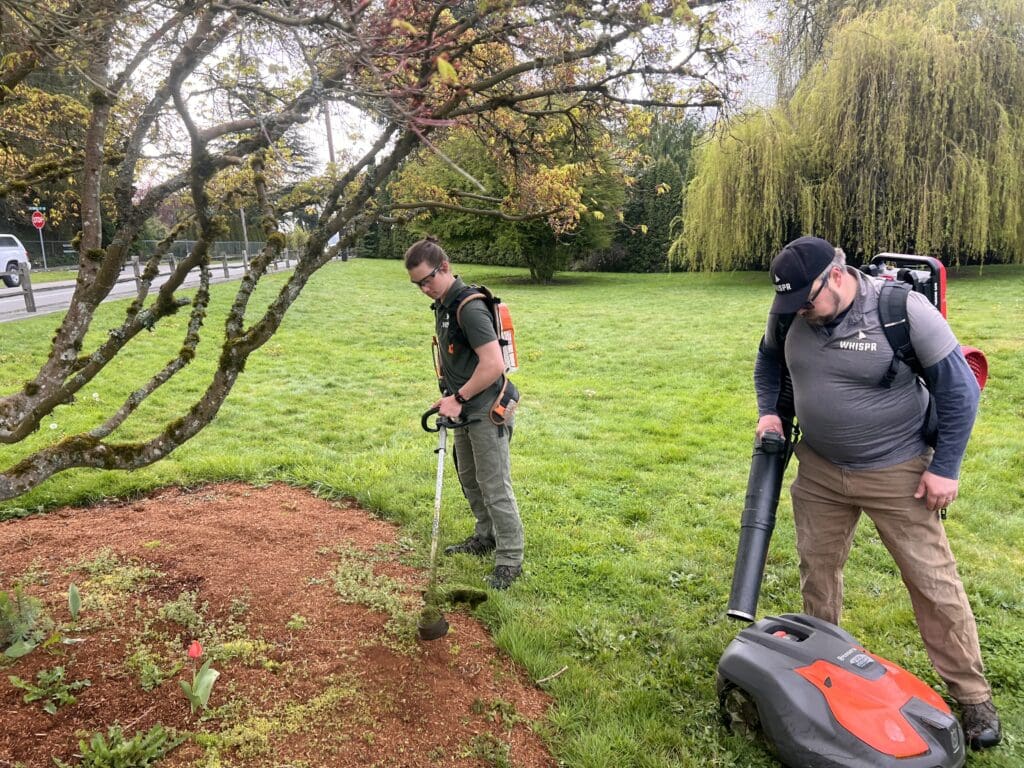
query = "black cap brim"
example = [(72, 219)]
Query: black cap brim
[(790, 303)]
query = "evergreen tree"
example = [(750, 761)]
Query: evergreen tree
[(643, 238), (648, 217)]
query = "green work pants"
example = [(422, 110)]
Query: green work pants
[(485, 471)]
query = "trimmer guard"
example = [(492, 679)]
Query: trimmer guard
[(825, 702)]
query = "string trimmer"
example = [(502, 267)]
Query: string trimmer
[(432, 624)]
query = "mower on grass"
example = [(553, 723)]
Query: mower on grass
[(822, 701)]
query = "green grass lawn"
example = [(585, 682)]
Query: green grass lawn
[(52, 276), (630, 463)]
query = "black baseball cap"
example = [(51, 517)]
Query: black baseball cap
[(795, 269)]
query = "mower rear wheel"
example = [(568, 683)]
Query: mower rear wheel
[(737, 710)]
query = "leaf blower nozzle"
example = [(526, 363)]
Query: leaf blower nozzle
[(767, 466)]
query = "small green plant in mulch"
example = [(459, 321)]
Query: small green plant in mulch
[(150, 667), (74, 602), (497, 711), (108, 581), (356, 582), (186, 612), (23, 623), (490, 750), (115, 750), (51, 688), (239, 607)]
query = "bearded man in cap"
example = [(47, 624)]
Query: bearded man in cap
[(864, 449)]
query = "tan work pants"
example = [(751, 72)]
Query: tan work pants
[(827, 503)]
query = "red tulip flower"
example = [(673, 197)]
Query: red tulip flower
[(195, 650)]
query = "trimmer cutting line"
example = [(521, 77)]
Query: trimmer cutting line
[(432, 624)]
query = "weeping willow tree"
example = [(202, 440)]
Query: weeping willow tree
[(741, 195), (907, 136), (802, 28)]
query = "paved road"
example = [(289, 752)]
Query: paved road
[(55, 297)]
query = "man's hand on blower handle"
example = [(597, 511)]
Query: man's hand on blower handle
[(769, 423)]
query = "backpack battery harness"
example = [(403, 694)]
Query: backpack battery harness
[(505, 403)]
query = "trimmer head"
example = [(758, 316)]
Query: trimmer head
[(432, 624), (822, 701), (435, 630)]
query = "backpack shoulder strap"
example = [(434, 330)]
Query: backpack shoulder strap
[(774, 343), (892, 313), (471, 293)]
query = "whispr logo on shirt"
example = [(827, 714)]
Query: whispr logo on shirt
[(859, 344)]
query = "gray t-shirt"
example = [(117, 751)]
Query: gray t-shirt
[(844, 414)]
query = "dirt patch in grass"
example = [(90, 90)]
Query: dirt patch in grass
[(307, 609)]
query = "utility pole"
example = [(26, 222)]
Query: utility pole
[(330, 133), (245, 242)]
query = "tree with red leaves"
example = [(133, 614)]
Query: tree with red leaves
[(196, 99)]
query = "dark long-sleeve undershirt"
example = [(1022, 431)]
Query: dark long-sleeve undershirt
[(956, 393)]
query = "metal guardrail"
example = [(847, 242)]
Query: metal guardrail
[(29, 291)]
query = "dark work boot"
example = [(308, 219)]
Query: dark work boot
[(981, 724), (474, 545), (503, 576)]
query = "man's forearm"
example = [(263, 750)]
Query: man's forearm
[(767, 380), (956, 394)]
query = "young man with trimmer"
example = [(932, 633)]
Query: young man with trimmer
[(474, 388), (864, 449)]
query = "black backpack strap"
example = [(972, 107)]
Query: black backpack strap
[(892, 313), (482, 292)]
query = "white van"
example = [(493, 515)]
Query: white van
[(12, 253)]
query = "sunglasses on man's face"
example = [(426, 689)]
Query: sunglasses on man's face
[(809, 304), (430, 276)]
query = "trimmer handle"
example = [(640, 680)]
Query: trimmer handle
[(443, 421)]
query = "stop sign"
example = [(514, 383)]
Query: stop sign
[(38, 220)]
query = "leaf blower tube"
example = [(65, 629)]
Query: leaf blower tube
[(764, 485)]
